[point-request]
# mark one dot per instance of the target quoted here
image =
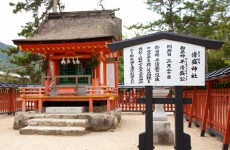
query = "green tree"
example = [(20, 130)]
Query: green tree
[(36, 8), (39, 9), (203, 18)]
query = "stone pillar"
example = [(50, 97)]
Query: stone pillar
[(162, 133)]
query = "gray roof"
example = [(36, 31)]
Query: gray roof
[(208, 43), (17, 85), (78, 25), (217, 74)]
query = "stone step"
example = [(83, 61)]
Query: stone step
[(66, 110), (58, 122), (51, 130)]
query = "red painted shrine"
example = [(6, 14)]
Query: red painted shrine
[(81, 68)]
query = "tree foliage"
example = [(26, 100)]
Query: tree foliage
[(203, 18), (39, 10)]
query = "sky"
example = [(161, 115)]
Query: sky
[(131, 12)]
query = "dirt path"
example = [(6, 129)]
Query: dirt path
[(125, 137)]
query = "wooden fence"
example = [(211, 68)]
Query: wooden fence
[(127, 100), (8, 103), (210, 109)]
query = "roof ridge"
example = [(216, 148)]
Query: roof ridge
[(74, 14)]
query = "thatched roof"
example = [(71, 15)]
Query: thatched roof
[(77, 26)]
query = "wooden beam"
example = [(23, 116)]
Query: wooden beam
[(84, 56)]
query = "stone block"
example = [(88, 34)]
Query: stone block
[(65, 110), (161, 127), (163, 138), (162, 133)]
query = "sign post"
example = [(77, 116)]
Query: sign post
[(148, 118), (165, 59)]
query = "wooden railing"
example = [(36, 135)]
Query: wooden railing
[(33, 92), (52, 85), (101, 91), (210, 109)]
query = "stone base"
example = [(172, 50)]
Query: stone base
[(162, 133), (163, 138), (66, 110)]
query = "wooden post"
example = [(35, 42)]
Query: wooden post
[(227, 129), (116, 73), (206, 108), (90, 105), (40, 105), (23, 105), (148, 118), (192, 107), (108, 105), (179, 126)]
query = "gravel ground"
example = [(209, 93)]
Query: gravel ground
[(125, 137)]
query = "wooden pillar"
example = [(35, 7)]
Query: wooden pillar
[(149, 118), (90, 105), (94, 78), (104, 66), (47, 80), (192, 108), (227, 129), (108, 105), (98, 75), (116, 73), (179, 124), (23, 105), (206, 108), (40, 105), (35, 105), (55, 69)]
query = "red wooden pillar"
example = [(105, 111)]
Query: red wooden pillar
[(94, 78), (116, 73), (108, 105), (104, 71), (55, 69), (98, 74), (23, 105), (192, 108), (227, 129), (206, 108), (47, 80), (90, 105), (40, 105)]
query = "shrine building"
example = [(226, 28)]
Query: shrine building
[(81, 69)]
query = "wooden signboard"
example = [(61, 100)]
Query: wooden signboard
[(165, 59)]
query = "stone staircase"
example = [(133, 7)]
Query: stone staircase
[(56, 125)]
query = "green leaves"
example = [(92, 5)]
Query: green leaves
[(39, 9), (203, 18)]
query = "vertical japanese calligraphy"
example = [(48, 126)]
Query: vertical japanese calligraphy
[(164, 63), (169, 61), (195, 63), (148, 65), (157, 63), (183, 65), (131, 60), (140, 65)]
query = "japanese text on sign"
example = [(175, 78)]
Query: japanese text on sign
[(164, 63)]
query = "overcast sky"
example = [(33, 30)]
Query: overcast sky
[(131, 11)]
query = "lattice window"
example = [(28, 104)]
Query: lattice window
[(84, 68)]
